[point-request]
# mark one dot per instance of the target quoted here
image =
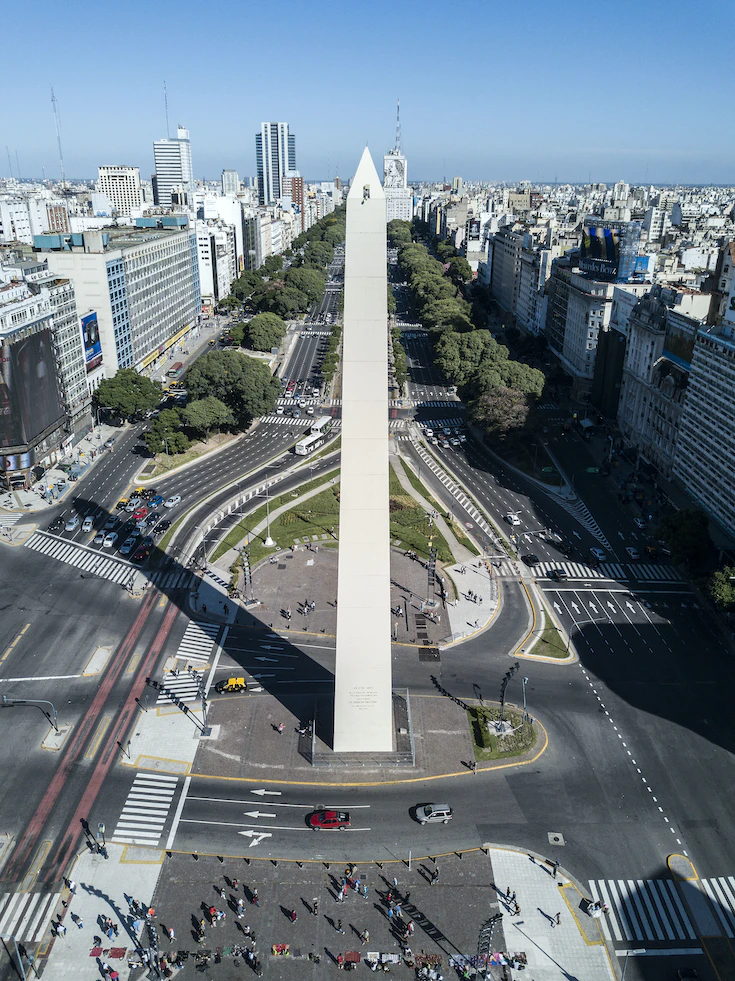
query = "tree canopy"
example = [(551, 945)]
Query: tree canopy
[(127, 393), (500, 412), (687, 533), (166, 435), (721, 587), (398, 232), (245, 385), (272, 265), (264, 331), (308, 281), (203, 415)]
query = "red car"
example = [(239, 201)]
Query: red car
[(329, 820), (140, 513)]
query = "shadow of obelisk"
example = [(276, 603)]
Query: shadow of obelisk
[(363, 720)]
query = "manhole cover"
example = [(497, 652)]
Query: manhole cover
[(555, 838)]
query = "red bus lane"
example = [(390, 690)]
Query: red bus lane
[(28, 840), (110, 753)]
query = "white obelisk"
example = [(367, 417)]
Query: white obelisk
[(363, 677)]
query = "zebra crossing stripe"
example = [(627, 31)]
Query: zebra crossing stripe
[(80, 556), (27, 915), (145, 810), (712, 889), (649, 909), (42, 920)]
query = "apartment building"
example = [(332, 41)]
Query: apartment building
[(121, 186)]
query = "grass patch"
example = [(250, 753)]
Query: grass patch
[(424, 491), (549, 644), (488, 746)]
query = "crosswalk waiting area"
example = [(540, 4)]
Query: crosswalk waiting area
[(193, 653), (652, 910), (26, 916), (92, 562), (146, 809)]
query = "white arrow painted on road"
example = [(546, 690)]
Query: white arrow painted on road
[(557, 607), (611, 605), (257, 836), (273, 660), (258, 814), (629, 605), (621, 535), (575, 607), (593, 607), (262, 792), (577, 534), (270, 647)]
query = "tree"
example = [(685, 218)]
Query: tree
[(500, 412), (230, 302), (516, 374), (128, 394), (264, 331), (721, 587), (391, 301), (244, 384), (450, 314), (445, 250), (284, 301), (459, 271), (272, 265), (165, 434), (246, 282), (318, 253), (207, 414), (398, 232), (237, 333), (687, 533), (309, 281)]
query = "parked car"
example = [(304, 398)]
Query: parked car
[(173, 501), (329, 820)]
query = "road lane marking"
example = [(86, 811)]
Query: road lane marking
[(47, 677), (12, 645), (259, 827), (275, 803), (102, 727)]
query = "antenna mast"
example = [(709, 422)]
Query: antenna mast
[(10, 165), (165, 100), (398, 127), (55, 104)]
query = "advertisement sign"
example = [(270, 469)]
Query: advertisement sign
[(600, 253), (29, 393), (92, 343)]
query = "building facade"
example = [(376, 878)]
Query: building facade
[(506, 267), (121, 185), (275, 156), (217, 256), (173, 182), (143, 282), (230, 182)]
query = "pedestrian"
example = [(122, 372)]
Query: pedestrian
[(356, 885), (71, 886), (312, 606), (293, 915), (397, 909), (221, 915), (410, 928), (558, 919), (315, 906), (110, 932), (240, 908), (395, 883), (204, 607), (435, 877), (517, 910), (226, 609), (365, 891), (78, 921), (477, 624), (281, 727), (340, 962), (407, 896), (473, 767), (171, 935), (365, 936), (555, 868), (341, 895), (115, 929), (222, 893), (60, 929), (390, 914), (235, 884), (256, 901), (513, 900)]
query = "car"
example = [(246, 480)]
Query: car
[(133, 504), (279, 410), (88, 524), (111, 523), (156, 501), (231, 684), (328, 820), (462, 438), (163, 525), (122, 503), (152, 518), (566, 548), (598, 553), (558, 575), (512, 519), (530, 559), (109, 442), (428, 432), (633, 552), (434, 814), (135, 532), (56, 525), (296, 413), (148, 541), (173, 501), (127, 546), (110, 539), (99, 538), (454, 441), (640, 523), (72, 523), (141, 554), (140, 513)]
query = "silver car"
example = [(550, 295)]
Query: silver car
[(434, 814)]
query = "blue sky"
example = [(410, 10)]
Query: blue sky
[(536, 90)]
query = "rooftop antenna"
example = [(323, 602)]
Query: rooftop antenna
[(165, 100), (43, 171), (17, 164), (10, 165), (398, 127), (55, 104)]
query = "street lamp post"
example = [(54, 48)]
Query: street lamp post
[(637, 951), (525, 710)]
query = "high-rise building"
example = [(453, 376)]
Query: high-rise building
[(174, 172), (122, 187), (230, 182), (398, 195), (275, 156)]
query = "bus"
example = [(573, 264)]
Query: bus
[(309, 443), (322, 425), (176, 370)]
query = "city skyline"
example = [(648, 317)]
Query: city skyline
[(532, 111)]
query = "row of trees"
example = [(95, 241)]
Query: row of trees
[(499, 391)]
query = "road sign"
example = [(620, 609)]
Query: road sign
[(593, 469)]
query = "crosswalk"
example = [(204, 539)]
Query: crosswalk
[(447, 422), (300, 423), (146, 808), (177, 578), (655, 572), (426, 404), (87, 560), (194, 651), (579, 510), (9, 519), (26, 916), (652, 909)]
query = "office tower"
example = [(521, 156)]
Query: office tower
[(230, 182), (275, 156), (121, 185), (174, 171), (398, 195)]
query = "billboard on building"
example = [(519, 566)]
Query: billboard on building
[(600, 253), (679, 343), (92, 343), (30, 402)]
